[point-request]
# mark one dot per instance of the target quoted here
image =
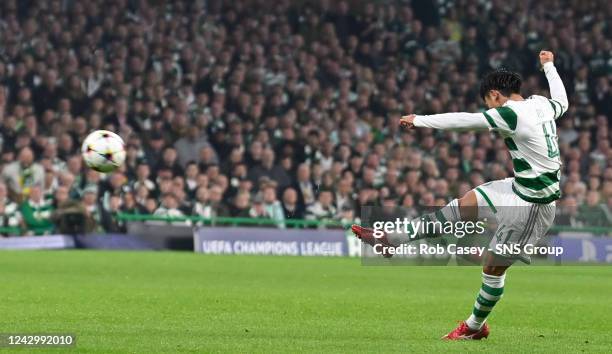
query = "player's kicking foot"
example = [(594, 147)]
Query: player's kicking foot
[(366, 235), (463, 332)]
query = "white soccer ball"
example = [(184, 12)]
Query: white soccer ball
[(103, 151)]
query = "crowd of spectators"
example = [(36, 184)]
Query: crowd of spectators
[(281, 109)]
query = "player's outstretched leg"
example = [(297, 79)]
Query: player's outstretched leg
[(491, 291), (366, 235), (450, 212)]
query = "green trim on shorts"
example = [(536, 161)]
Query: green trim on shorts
[(486, 197)]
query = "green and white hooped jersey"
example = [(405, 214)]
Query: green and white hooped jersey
[(529, 131)]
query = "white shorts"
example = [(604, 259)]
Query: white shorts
[(519, 222)]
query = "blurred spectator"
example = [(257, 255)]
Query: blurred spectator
[(108, 215), (91, 204), (241, 205), (304, 186), (267, 168), (323, 208), (169, 207), (347, 216), (150, 205), (273, 207), (23, 174), (344, 197), (201, 207), (70, 216), (291, 207), (143, 172), (593, 212), (217, 206), (567, 213), (37, 212), (191, 175), (188, 147), (60, 196), (131, 206), (258, 209)]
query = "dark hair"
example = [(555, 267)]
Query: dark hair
[(505, 81)]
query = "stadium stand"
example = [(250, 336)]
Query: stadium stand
[(282, 110)]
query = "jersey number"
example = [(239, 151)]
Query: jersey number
[(550, 134)]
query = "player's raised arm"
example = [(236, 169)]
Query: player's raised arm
[(557, 89), (447, 121)]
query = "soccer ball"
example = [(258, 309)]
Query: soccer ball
[(103, 151)]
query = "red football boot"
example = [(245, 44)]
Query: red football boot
[(366, 235), (464, 332)]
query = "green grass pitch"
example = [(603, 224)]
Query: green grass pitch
[(166, 302)]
